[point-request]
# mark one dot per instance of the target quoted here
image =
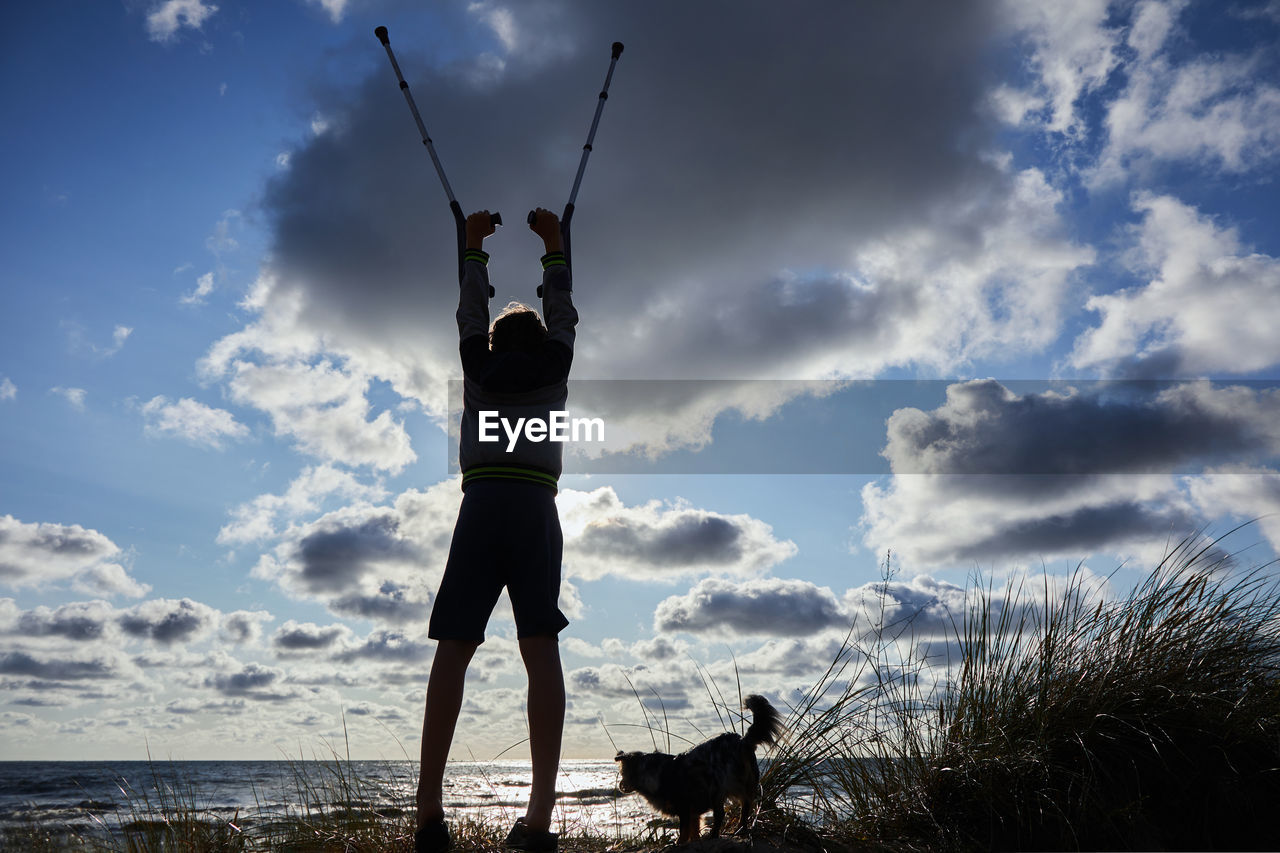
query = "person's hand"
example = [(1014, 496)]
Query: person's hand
[(479, 225), (547, 226)]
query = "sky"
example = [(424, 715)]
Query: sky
[(875, 300)]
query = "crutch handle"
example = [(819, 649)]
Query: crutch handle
[(381, 33)]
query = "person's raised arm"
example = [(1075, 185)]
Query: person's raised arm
[(473, 293), (557, 285)]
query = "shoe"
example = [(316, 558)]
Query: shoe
[(432, 837), (523, 838)]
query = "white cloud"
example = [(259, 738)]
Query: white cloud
[(81, 621), (191, 421), (377, 562), (223, 240), (296, 638), (256, 520), (109, 579), (1207, 308), (1012, 105), (324, 409), (74, 396), (165, 19), (763, 606), (243, 627), (8, 390), (204, 286), (336, 9), (79, 339), (947, 256), (653, 541), (384, 563), (1216, 111), (535, 32), (169, 621), (35, 554), (1073, 52), (501, 20), (992, 475), (1248, 492)]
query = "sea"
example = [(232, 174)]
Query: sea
[(92, 797)]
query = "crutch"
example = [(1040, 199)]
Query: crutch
[(567, 217), (459, 220)]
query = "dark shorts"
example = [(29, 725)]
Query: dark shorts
[(507, 535)]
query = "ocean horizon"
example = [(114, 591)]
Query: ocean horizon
[(97, 796)]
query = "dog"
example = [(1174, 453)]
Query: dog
[(702, 778)]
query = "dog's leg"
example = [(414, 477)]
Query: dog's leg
[(688, 827), (717, 818), (748, 808)]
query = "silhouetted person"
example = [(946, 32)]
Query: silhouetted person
[(508, 531)]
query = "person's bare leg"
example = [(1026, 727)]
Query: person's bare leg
[(546, 725), (444, 701)]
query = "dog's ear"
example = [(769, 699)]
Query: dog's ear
[(618, 757)]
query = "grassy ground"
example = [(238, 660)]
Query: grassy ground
[(1065, 721)]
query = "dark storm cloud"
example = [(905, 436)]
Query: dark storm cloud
[(243, 626), (293, 637), (58, 540), (334, 558), (387, 647), (658, 649), (771, 606), (655, 541), (79, 621), (392, 603), (1094, 468), (1079, 531), (692, 537), (1112, 427), (921, 606), (22, 664), (738, 141), (654, 687), (167, 621), (251, 682)]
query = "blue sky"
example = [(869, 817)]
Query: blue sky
[(227, 336)]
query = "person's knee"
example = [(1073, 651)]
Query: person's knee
[(541, 655), (455, 651), (540, 646)]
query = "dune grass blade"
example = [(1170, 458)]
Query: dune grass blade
[(1067, 721)]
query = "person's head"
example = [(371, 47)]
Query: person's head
[(517, 329)]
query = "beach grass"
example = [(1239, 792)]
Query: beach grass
[(1069, 720), (1054, 718)]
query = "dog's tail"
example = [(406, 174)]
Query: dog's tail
[(766, 722)]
